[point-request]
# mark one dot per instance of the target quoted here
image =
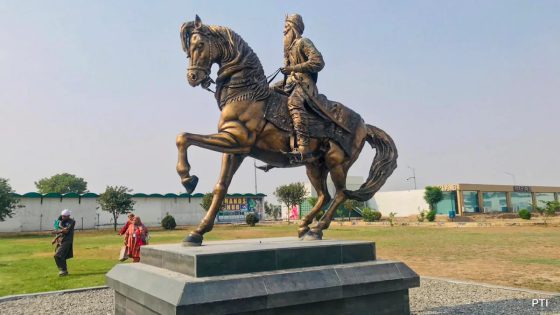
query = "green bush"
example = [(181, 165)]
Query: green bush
[(251, 218), (391, 218), (340, 213), (168, 222), (319, 215), (422, 216), (370, 215), (431, 215), (524, 214)]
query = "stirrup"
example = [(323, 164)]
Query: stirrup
[(297, 157)]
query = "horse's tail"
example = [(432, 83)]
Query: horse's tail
[(383, 165)]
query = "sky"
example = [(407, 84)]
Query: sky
[(468, 90)]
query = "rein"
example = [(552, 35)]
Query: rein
[(205, 84), (273, 75), (240, 84)]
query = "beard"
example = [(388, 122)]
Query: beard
[(288, 40)]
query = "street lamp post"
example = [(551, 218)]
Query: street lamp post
[(512, 177), (413, 176), (255, 167)]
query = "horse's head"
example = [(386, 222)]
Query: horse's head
[(197, 43)]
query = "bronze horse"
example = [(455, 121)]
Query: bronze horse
[(242, 92)]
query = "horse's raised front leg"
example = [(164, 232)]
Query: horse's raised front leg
[(230, 164), (233, 138)]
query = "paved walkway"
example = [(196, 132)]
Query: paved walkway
[(434, 296)]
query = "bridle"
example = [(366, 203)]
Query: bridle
[(207, 70)]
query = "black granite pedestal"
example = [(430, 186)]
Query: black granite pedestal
[(262, 276)]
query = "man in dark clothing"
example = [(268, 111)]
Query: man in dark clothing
[(64, 249)]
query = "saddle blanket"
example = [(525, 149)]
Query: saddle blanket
[(277, 113)]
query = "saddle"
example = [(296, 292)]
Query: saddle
[(319, 126)]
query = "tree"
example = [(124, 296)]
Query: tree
[(207, 201), (116, 200), (549, 210), (291, 195), (62, 184), (391, 218), (272, 210), (351, 205), (312, 201), (8, 203), (433, 195), (340, 214)]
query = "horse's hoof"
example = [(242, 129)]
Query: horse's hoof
[(190, 183), (313, 236), (194, 239), (302, 231)]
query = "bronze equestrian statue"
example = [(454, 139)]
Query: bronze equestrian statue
[(255, 122)]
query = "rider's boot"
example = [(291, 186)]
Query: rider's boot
[(303, 151)]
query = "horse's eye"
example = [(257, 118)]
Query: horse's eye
[(199, 45)]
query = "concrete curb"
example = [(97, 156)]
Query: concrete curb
[(32, 295), (491, 286)]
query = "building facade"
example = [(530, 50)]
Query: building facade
[(467, 199)]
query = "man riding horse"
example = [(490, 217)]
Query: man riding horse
[(253, 124), (302, 63)]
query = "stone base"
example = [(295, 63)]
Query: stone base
[(267, 276)]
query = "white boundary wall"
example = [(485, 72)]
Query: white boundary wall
[(39, 213)]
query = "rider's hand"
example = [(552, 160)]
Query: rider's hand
[(287, 70)]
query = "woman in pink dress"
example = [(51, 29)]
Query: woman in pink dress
[(136, 236)]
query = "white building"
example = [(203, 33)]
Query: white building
[(352, 183), (403, 203)]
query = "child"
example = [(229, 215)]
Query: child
[(125, 250), (125, 227)]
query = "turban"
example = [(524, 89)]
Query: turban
[(66, 212), (297, 22)]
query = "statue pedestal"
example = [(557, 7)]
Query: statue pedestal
[(262, 276)]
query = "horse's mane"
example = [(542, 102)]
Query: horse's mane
[(239, 63), (236, 53)]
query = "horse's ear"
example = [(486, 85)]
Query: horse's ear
[(185, 30), (197, 22)]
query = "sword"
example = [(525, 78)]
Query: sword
[(317, 107)]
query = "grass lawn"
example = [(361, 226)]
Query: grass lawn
[(515, 256)]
